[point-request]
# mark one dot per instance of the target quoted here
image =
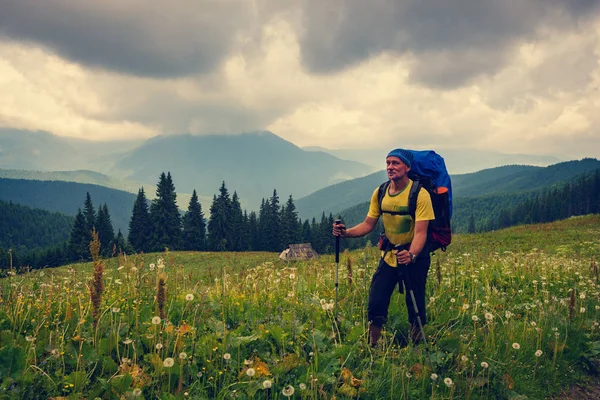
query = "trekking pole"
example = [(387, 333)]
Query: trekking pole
[(409, 287), (408, 283), (337, 266)]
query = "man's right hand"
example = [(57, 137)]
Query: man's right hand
[(339, 229)]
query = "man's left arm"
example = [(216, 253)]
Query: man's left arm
[(420, 237), (424, 214), (417, 244)]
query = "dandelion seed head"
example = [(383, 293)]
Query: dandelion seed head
[(189, 297), (288, 391), (159, 346), (250, 372), (516, 346), (489, 316), (155, 320), (227, 356), (137, 392), (484, 364), (168, 362), (302, 386), (182, 355), (582, 310), (539, 353), (434, 377), (475, 318), (267, 384), (448, 382)]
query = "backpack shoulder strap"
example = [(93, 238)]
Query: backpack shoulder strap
[(381, 193), (412, 198)]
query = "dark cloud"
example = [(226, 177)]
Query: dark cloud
[(448, 41), (148, 38), (451, 41)]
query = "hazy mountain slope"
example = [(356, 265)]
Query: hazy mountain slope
[(253, 164), (36, 150), (79, 176), (522, 178), (504, 180), (67, 197), (339, 196)]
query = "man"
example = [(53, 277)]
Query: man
[(402, 232)]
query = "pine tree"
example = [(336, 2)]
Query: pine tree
[(89, 214), (121, 245), (262, 225), (291, 229), (165, 217), (106, 233), (306, 234), (139, 224), (79, 240), (253, 234), (194, 226), (219, 224), (236, 233), (271, 224), (245, 240)]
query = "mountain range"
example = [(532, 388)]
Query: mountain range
[(505, 180), (252, 164)]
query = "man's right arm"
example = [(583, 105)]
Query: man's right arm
[(359, 230)]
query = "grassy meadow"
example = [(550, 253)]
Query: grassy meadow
[(513, 314)]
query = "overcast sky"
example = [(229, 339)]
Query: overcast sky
[(517, 76)]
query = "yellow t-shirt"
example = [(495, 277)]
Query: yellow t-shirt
[(400, 229)]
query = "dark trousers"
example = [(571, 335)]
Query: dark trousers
[(385, 279)]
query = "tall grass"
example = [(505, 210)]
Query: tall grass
[(511, 313)]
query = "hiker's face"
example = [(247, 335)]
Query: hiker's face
[(396, 169)]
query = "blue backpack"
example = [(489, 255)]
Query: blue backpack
[(428, 171)]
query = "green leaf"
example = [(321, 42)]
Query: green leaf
[(121, 383), (12, 361)]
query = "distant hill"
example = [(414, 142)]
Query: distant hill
[(67, 197), (486, 209), (506, 180), (252, 164), (519, 178), (340, 196), (79, 176), (25, 227)]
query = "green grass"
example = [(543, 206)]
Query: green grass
[(233, 321)]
